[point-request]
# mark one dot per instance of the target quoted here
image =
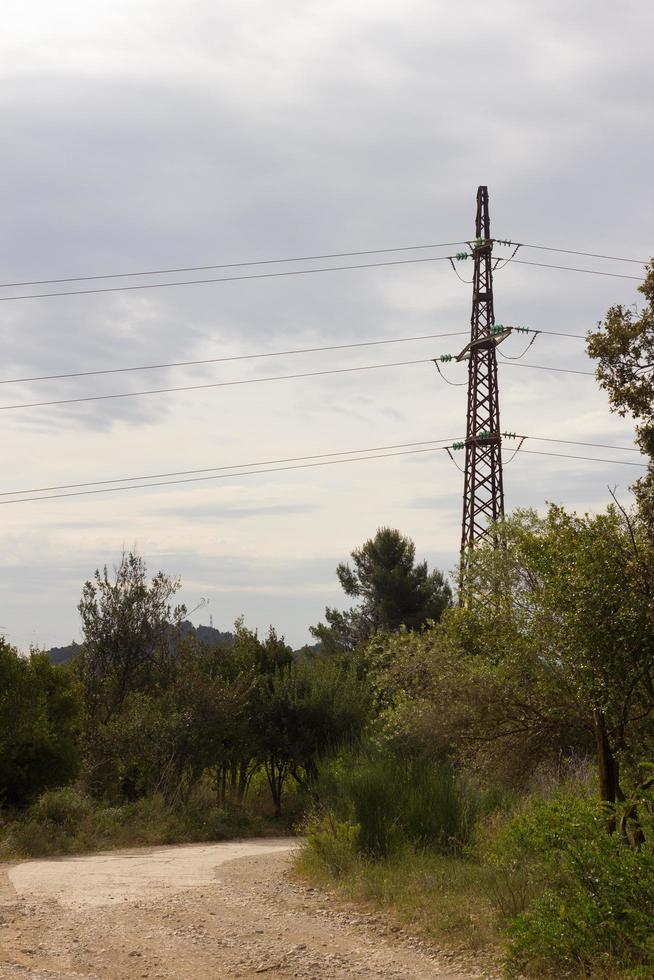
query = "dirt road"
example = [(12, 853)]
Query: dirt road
[(198, 911)]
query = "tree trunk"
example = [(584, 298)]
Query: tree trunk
[(607, 766)]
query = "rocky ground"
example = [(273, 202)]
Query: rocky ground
[(198, 911)]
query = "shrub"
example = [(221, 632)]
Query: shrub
[(334, 843), (65, 807), (392, 803), (594, 894)]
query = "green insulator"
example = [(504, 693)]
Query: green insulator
[(460, 256), (445, 358), (497, 328), (484, 435), (522, 329), (458, 445)]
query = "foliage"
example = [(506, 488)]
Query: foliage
[(67, 821), (475, 690), (39, 723), (440, 896), (590, 898), (307, 712), (393, 591), (126, 623), (163, 710), (623, 346), (381, 804)]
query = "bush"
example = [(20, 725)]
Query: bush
[(335, 844), (39, 726), (65, 807), (589, 898), (392, 803), (67, 822)]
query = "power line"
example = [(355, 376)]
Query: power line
[(298, 459), (229, 265), (589, 459), (293, 272), (246, 357), (294, 258), (571, 251), (545, 367), (196, 282), (250, 381), (222, 476), (568, 268), (234, 466), (576, 442), (278, 469), (213, 384), (235, 357)]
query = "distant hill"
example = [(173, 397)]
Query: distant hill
[(203, 634), (206, 635), (61, 655)]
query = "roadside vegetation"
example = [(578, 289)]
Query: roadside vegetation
[(483, 772)]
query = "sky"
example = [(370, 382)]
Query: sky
[(153, 135)]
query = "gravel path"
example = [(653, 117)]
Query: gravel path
[(197, 911)]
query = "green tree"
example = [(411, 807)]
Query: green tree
[(393, 591), (307, 711), (129, 662), (39, 725), (128, 644), (556, 659), (623, 346), (578, 590)]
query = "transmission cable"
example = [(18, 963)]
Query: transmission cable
[(277, 353), (568, 268), (433, 443), (301, 258), (196, 282), (250, 381), (571, 251), (293, 272), (223, 476), (229, 265), (299, 466), (589, 459), (235, 466), (235, 357), (213, 384)]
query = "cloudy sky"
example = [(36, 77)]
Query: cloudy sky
[(146, 135)]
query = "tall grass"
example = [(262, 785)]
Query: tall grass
[(380, 804)]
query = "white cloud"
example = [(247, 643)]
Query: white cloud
[(157, 134)]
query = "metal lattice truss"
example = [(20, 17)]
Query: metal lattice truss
[(483, 495)]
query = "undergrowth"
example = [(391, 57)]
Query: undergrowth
[(67, 821), (537, 880)]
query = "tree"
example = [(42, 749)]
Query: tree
[(557, 657), (39, 725), (579, 590), (129, 661), (307, 710), (393, 589), (623, 346), (126, 623)]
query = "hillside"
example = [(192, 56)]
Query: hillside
[(206, 635)]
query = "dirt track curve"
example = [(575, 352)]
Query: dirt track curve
[(196, 911)]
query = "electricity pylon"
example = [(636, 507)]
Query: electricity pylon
[(483, 492)]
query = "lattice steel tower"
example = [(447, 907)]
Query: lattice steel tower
[(483, 493)]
